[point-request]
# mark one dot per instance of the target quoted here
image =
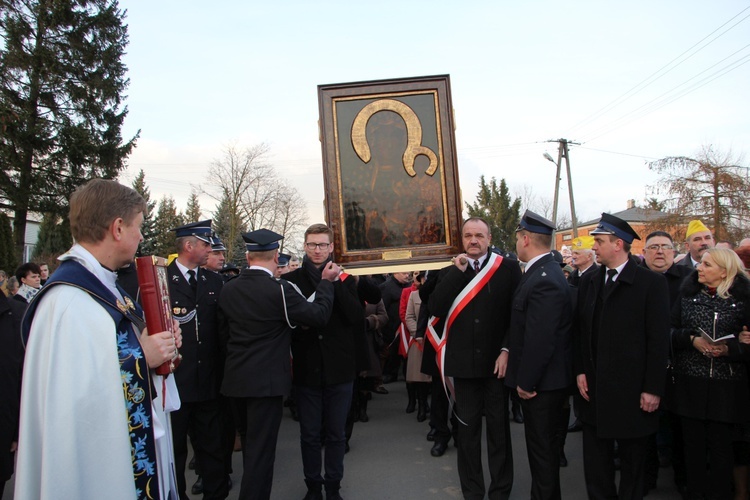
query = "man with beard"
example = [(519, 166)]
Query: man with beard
[(324, 367), (698, 239)]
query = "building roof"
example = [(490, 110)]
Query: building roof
[(633, 214)]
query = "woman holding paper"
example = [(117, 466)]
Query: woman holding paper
[(710, 386)]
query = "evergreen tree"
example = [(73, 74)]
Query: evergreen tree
[(495, 206), (62, 82), (54, 238), (228, 226), (148, 229), (8, 259), (193, 210), (167, 218)]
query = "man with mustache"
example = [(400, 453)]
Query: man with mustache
[(473, 300), (698, 239)]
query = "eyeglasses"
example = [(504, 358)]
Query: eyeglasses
[(319, 246), (664, 247)]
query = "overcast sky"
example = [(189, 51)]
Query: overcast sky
[(631, 81)]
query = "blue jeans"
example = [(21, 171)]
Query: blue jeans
[(322, 417)]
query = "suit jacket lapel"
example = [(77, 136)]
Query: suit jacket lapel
[(178, 280)]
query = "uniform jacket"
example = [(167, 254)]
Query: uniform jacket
[(253, 312), (540, 328), (326, 355), (199, 375), (630, 329), (479, 331)]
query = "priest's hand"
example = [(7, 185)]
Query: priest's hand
[(160, 347)]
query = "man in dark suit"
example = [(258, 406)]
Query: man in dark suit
[(540, 362), (195, 293), (658, 256), (584, 261), (621, 345), (325, 368), (583, 258), (474, 356), (258, 313), (698, 239)]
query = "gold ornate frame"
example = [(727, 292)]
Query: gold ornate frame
[(390, 173)]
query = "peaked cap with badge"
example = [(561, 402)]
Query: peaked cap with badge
[(201, 230), (609, 224)]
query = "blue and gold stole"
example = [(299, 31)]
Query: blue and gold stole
[(136, 379)]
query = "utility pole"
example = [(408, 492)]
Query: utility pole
[(563, 152)]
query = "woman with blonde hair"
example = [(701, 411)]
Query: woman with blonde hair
[(710, 382)]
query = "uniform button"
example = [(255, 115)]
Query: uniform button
[(199, 361), (476, 320), (200, 343), (479, 351), (320, 337)]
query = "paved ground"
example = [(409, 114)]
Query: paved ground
[(390, 459)]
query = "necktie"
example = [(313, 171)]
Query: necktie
[(611, 273), (193, 282), (476, 266)]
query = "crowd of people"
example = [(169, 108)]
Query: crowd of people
[(651, 350)]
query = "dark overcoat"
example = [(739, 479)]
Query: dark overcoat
[(540, 357), (255, 313), (479, 331), (621, 344), (199, 375), (326, 355), (11, 360)]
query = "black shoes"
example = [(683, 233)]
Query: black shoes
[(380, 390), (517, 414), (431, 434), (438, 449)]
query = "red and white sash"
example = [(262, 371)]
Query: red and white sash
[(459, 303), (404, 340)]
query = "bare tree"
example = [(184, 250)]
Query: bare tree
[(713, 187), (230, 176), (247, 185), (541, 205)]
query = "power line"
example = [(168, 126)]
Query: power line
[(619, 153), (665, 99), (662, 71)]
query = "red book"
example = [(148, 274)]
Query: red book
[(154, 290)]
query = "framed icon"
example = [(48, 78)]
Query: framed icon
[(390, 171)]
